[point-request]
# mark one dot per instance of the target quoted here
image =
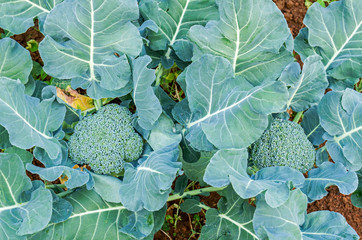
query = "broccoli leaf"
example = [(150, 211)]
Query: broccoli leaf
[(312, 126), (18, 15), (76, 178), (95, 218), (233, 219), (289, 221), (244, 37), (107, 187), (356, 197), (25, 156), (148, 185), (327, 225), (329, 174), (340, 116), (37, 120), (20, 216), (174, 18), (95, 58), (15, 61), (147, 104), (4, 138), (229, 166), (281, 222), (195, 170), (305, 88), (163, 134), (337, 32), (229, 111)]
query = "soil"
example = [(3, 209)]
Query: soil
[(32, 33), (294, 11), (188, 225), (337, 202)]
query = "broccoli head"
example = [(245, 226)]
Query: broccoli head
[(106, 140), (284, 144)]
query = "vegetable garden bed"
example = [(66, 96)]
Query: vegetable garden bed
[(204, 81)]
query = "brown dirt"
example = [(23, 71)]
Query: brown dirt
[(186, 224), (294, 11), (31, 34), (340, 203)]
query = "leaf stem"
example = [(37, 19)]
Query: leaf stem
[(310, 134), (66, 193), (297, 117), (98, 104), (194, 192), (204, 206), (159, 73), (55, 186)]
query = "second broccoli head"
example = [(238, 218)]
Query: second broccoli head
[(106, 140), (284, 144)]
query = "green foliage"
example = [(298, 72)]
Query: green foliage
[(284, 144), (106, 140), (32, 45)]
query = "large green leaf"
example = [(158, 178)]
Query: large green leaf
[(95, 56), (15, 61), (312, 127), (147, 104), (340, 116), (233, 219), (336, 33), (4, 138), (195, 170), (305, 88), (230, 166), (329, 174), (250, 35), (281, 222), (94, 218), (163, 134), (148, 185), (29, 122), (18, 15), (229, 111), (20, 216), (174, 18), (326, 225), (290, 221)]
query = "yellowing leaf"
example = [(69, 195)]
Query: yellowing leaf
[(74, 99)]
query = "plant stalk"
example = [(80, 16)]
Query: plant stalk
[(297, 117), (159, 73), (55, 186), (194, 192), (98, 104), (66, 193)]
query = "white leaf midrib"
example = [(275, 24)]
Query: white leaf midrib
[(336, 53), (239, 225), (26, 122), (177, 28), (91, 47), (37, 6), (296, 90), (224, 109)]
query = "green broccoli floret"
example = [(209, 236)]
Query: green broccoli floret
[(284, 144), (106, 140)]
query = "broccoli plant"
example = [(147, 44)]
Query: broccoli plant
[(106, 140), (284, 144), (107, 173)]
